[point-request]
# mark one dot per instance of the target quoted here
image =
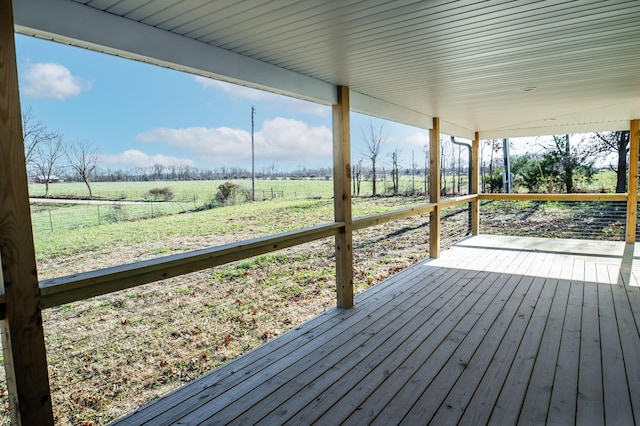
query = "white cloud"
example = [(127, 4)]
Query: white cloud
[(279, 140), (290, 139), (417, 141), (218, 146), (52, 81), (135, 158), (254, 95)]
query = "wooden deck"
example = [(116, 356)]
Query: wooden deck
[(498, 330)]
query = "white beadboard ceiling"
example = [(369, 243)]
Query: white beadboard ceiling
[(499, 67)]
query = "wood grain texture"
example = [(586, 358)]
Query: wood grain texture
[(475, 184), (434, 188), (342, 198), (380, 218), (22, 294), (632, 202), (490, 333), (70, 288), (554, 197)]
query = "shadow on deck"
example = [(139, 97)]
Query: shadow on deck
[(498, 330)]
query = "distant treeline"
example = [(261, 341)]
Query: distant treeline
[(158, 172)]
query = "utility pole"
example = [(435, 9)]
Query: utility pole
[(253, 157)]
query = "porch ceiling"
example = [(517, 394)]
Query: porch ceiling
[(470, 62)]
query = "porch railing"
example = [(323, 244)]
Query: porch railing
[(70, 288), (455, 214)]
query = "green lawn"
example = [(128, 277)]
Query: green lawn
[(65, 229), (198, 191)]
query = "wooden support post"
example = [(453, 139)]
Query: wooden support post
[(434, 188), (28, 363), (7, 355), (632, 191), (475, 182), (342, 198)]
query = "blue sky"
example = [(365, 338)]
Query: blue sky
[(139, 114)]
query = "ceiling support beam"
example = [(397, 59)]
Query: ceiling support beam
[(81, 25), (23, 337), (342, 198), (364, 104)]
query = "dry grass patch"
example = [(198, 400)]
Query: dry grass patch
[(111, 354)]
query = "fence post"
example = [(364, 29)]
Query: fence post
[(342, 198), (475, 180), (50, 219), (434, 188), (27, 362), (632, 191)]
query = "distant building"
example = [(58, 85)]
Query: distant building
[(52, 179)]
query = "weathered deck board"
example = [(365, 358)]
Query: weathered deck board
[(496, 331), (251, 368), (538, 395), (509, 401), (331, 321), (565, 383), (590, 408), (617, 405)]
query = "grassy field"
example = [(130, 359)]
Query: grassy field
[(184, 191), (112, 353), (67, 229), (199, 192)]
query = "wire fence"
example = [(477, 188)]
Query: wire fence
[(455, 224), (602, 220), (383, 250), (110, 354), (66, 216)]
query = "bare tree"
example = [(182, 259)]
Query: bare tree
[(395, 175), (84, 160), (356, 174), (33, 133), (413, 172), (45, 158), (358, 177), (375, 140), (614, 143), (157, 171), (426, 168)]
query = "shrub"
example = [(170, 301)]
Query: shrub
[(226, 193), (160, 194)]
